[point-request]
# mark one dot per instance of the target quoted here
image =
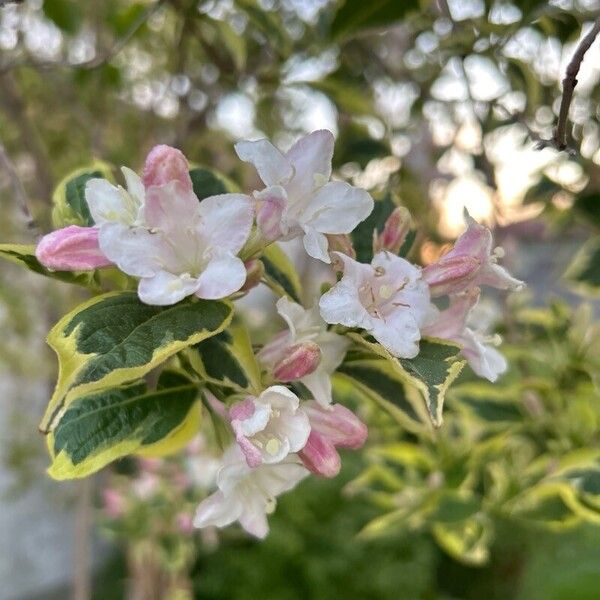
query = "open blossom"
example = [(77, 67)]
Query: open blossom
[(306, 330), (247, 494), (470, 263), (299, 198), (177, 245), (387, 298), (477, 348), (269, 427), (332, 427)]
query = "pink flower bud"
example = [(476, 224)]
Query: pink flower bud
[(72, 248), (165, 164), (451, 274), (254, 274), (394, 232), (337, 423), (185, 523), (299, 360), (271, 203), (341, 242), (320, 456), (114, 503)]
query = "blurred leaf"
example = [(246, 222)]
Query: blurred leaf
[(234, 43), (543, 191), (588, 204), (348, 95), (65, 14), (467, 541), (98, 428), (354, 16), (122, 20), (362, 236), (584, 271)]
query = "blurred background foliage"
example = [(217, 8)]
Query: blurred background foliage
[(437, 105)]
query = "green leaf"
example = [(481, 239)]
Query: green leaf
[(24, 255), (489, 403), (280, 273), (115, 338), (68, 199), (584, 271), (467, 541), (587, 204), (347, 94), (431, 371), (65, 14), (105, 425), (378, 380), (543, 191), (209, 182), (362, 236), (228, 359), (354, 16)]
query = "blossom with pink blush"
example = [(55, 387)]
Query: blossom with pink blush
[(165, 164), (269, 427), (332, 427), (477, 348), (72, 248), (387, 298), (298, 361), (469, 264)]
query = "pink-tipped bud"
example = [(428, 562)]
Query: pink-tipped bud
[(185, 523), (271, 203), (299, 360), (341, 242), (394, 232), (451, 275), (72, 248), (114, 503), (165, 164), (337, 423), (320, 456), (255, 271)]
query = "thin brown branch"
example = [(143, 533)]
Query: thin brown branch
[(569, 82), (95, 62), (19, 193)]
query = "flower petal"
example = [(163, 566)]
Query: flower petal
[(320, 456), (311, 158), (498, 277), (224, 275), (108, 203), (164, 289), (164, 164), (218, 510), (319, 385), (485, 360), (341, 305), (226, 220), (170, 207), (272, 166), (337, 207), (316, 244), (398, 333)]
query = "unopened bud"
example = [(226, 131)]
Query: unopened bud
[(337, 423), (320, 456), (341, 242), (451, 275), (299, 360), (254, 274), (270, 206), (165, 164), (394, 232), (72, 248)]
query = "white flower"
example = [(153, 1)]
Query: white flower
[(307, 326), (248, 494), (299, 198), (269, 427), (388, 298), (477, 348)]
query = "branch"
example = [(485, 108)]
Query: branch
[(569, 82), (19, 192), (97, 61)]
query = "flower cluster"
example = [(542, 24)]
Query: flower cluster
[(156, 230)]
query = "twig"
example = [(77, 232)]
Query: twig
[(569, 82), (97, 61), (19, 192), (83, 517)]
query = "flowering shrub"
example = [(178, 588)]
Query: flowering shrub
[(139, 369)]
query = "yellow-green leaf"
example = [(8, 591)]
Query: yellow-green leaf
[(280, 273), (115, 338)]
